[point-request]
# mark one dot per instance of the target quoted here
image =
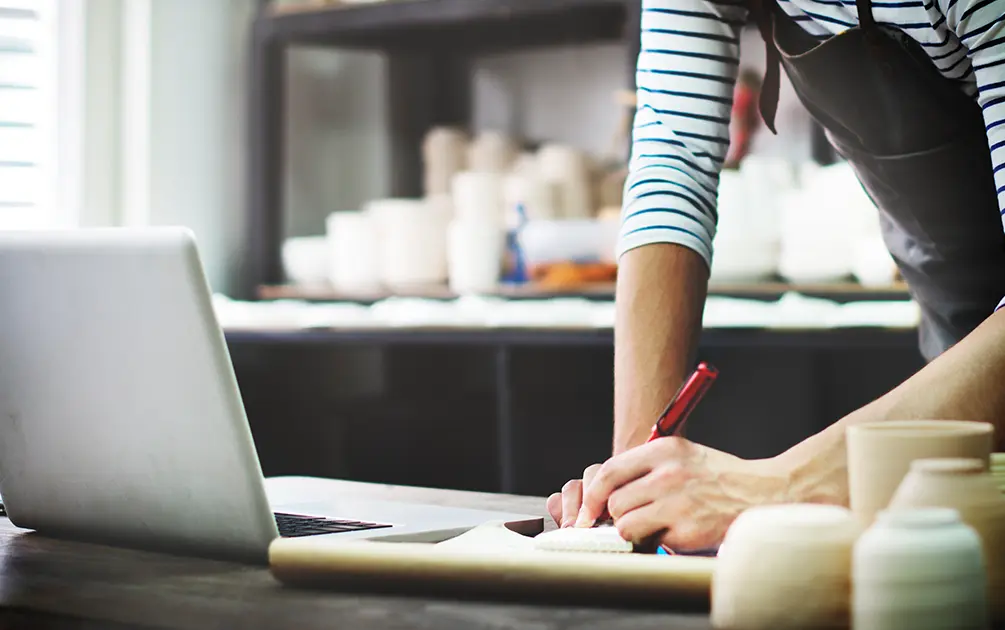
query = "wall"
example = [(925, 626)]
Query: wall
[(566, 94), (182, 93)]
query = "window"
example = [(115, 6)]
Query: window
[(29, 113)]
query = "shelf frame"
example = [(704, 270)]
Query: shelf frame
[(430, 46)]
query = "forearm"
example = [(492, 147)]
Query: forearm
[(660, 297), (966, 383)]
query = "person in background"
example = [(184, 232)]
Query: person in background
[(744, 118), (912, 94)]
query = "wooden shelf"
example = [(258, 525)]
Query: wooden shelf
[(841, 292), (471, 24)]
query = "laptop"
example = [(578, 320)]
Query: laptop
[(121, 421)]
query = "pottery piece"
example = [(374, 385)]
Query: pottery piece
[(880, 454), (492, 151), (966, 486), (353, 246), (479, 196), (305, 260), (785, 566), (919, 568), (412, 242), (444, 153), (474, 255), (568, 169)]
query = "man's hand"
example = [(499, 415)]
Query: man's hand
[(564, 506), (680, 492)]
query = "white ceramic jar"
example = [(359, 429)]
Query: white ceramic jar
[(785, 567), (353, 252), (919, 568)]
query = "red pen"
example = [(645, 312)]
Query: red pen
[(671, 421)]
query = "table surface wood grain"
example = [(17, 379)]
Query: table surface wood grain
[(47, 583)]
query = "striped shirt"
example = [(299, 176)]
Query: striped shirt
[(686, 74)]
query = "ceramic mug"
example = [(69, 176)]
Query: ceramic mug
[(880, 454), (785, 566)]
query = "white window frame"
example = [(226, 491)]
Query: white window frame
[(61, 53)]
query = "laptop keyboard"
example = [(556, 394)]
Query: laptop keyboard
[(295, 525)]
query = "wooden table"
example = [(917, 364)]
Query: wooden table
[(47, 583)]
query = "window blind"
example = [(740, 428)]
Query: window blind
[(23, 78)]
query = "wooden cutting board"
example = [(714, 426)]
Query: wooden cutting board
[(491, 561)]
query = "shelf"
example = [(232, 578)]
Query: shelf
[(469, 24), (840, 292), (845, 338)]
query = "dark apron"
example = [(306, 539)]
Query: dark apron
[(918, 145)]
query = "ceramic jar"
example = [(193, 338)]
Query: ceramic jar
[(919, 568), (880, 454), (353, 247), (966, 486), (412, 237), (444, 153), (785, 566), (493, 152)]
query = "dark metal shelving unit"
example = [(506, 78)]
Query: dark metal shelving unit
[(503, 349), (732, 338)]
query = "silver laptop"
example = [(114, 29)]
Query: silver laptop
[(120, 417)]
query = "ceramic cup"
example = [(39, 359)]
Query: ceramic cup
[(413, 242), (919, 568), (474, 254), (444, 153), (785, 566), (966, 486), (880, 454), (479, 196), (353, 245)]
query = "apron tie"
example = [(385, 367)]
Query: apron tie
[(768, 100)]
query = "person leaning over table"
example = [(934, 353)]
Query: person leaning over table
[(912, 94)]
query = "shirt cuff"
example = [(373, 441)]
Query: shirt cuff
[(1000, 305)]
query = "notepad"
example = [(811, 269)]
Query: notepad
[(497, 537)]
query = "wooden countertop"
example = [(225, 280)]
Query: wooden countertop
[(47, 583)]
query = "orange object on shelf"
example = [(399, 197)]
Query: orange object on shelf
[(570, 275)]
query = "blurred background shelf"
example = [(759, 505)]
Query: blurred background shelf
[(839, 292), (729, 338), (474, 25), (429, 47)]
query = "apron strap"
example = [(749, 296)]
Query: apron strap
[(865, 18), (768, 102)]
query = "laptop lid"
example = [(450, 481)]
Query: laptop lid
[(120, 416)]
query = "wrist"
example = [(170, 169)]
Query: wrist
[(815, 470)]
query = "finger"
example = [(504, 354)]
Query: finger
[(641, 525), (572, 499), (555, 507), (589, 474), (661, 483), (670, 523), (616, 472), (686, 535)]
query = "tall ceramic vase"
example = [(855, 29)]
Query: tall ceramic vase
[(966, 486)]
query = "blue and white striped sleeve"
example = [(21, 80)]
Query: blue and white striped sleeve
[(685, 76), (980, 26)]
